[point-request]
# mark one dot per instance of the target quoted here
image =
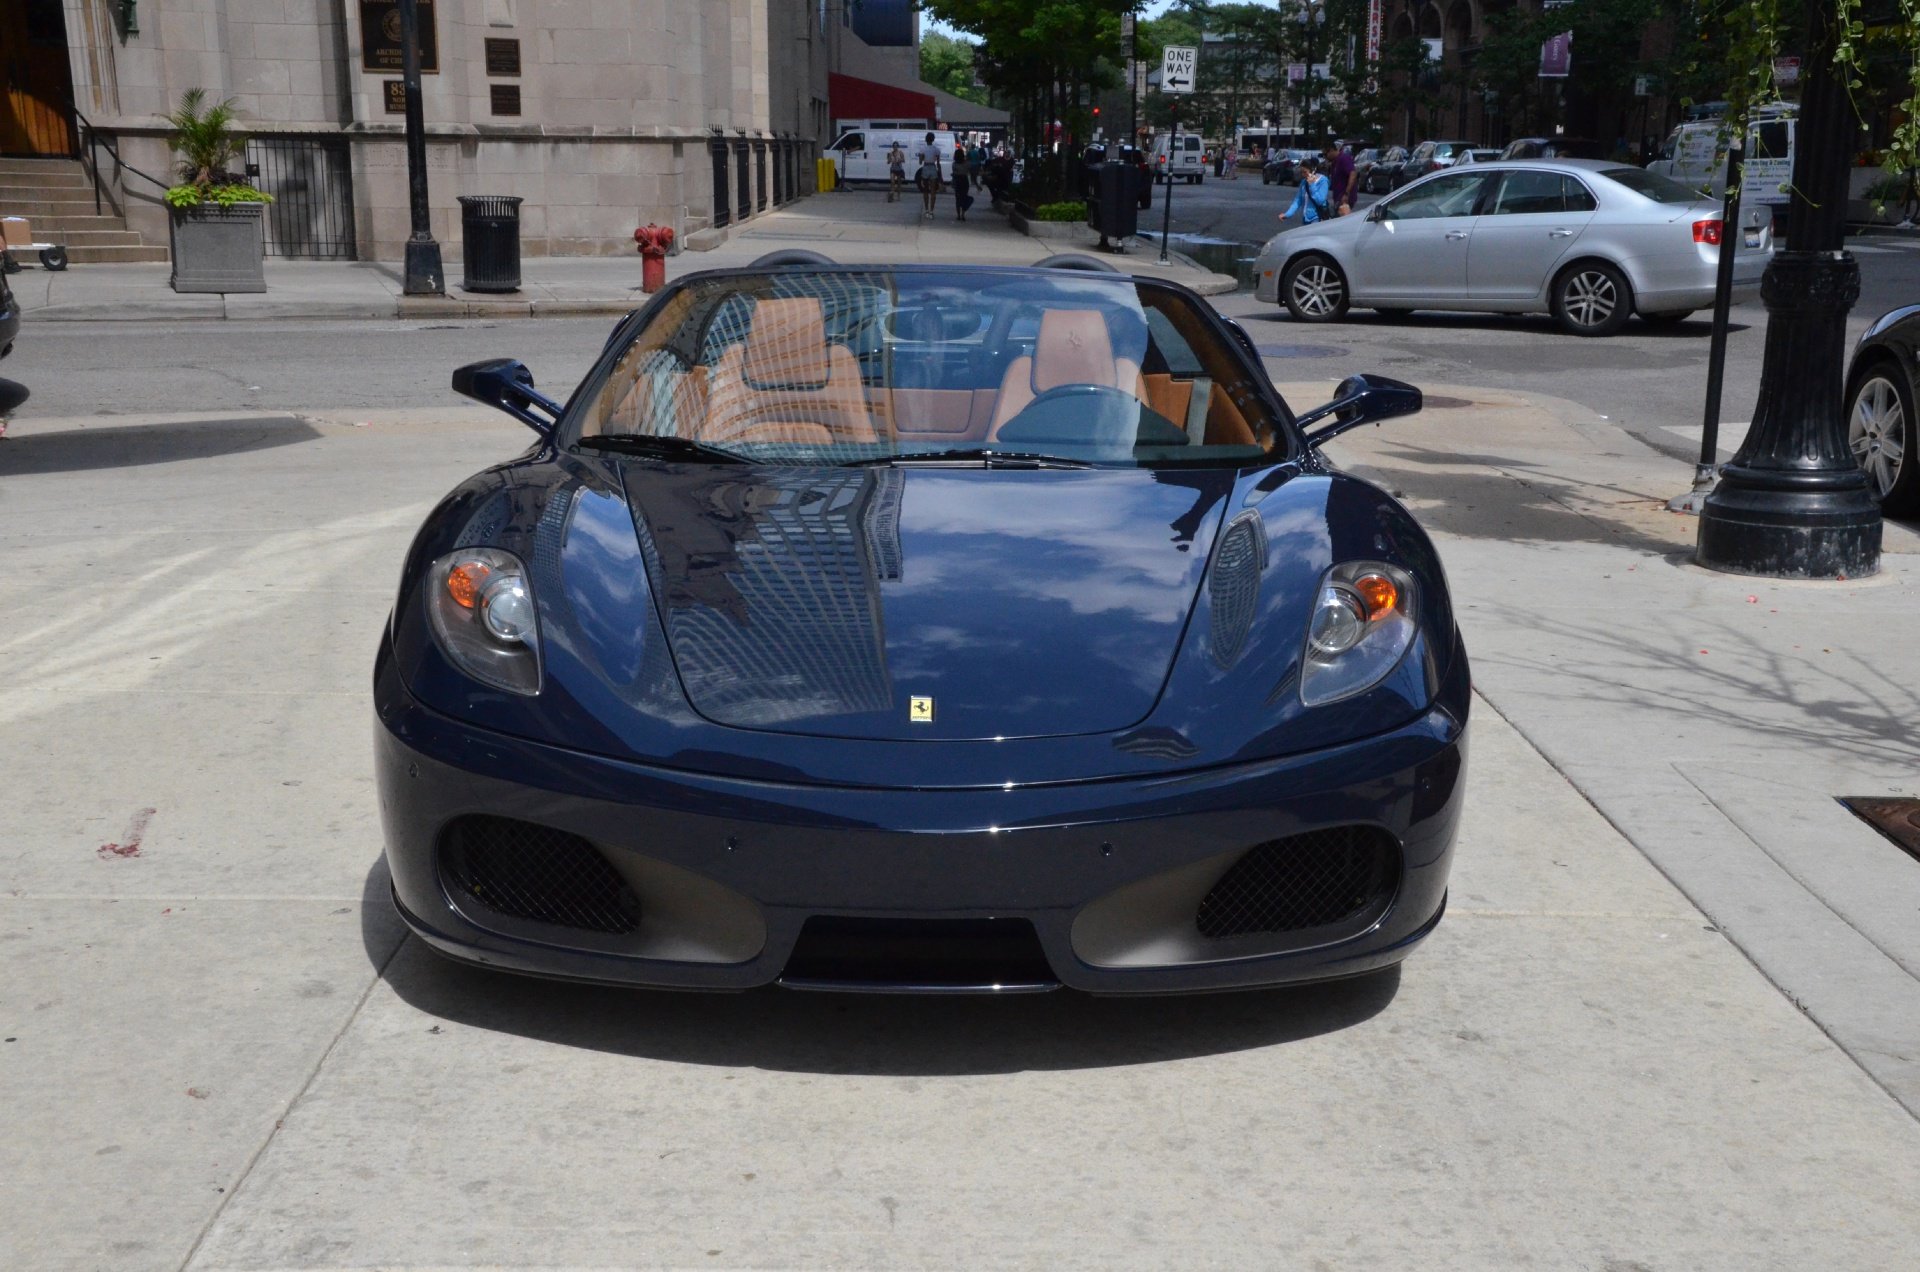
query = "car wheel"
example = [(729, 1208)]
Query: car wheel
[(1667, 319), (1314, 290), (1880, 424), (1591, 299)]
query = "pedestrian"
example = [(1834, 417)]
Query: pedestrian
[(962, 184), (1341, 178), (926, 175), (1311, 199), (896, 171), (1233, 163)]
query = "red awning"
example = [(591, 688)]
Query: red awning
[(851, 98)]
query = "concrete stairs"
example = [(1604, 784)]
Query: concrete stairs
[(57, 197)]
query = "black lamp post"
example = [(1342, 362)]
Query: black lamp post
[(1794, 503), (424, 275)]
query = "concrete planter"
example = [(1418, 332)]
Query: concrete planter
[(218, 249), (1075, 233)]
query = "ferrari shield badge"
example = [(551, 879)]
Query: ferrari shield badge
[(920, 710)]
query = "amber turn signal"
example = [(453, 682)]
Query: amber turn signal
[(464, 582), (1379, 593)]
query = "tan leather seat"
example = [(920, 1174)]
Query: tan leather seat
[(1072, 348), (786, 383)]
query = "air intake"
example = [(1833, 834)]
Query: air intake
[(1322, 879), (525, 871)]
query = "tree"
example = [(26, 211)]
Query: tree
[(947, 64)]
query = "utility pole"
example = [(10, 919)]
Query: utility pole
[(424, 275), (1794, 503)]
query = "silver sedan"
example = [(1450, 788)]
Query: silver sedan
[(1587, 241)]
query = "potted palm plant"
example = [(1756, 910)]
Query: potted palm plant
[(216, 230)]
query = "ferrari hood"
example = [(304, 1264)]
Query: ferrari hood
[(920, 603)]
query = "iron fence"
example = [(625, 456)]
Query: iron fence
[(311, 181)]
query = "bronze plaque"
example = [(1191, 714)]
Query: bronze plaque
[(380, 37), (396, 96), (503, 56), (506, 98)]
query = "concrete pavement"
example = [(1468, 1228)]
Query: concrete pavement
[(852, 226), (223, 1054)]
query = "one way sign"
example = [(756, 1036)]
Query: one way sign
[(1176, 68)]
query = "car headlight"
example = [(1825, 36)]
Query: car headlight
[(1362, 623), (480, 603)]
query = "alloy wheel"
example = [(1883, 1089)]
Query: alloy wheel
[(1877, 432), (1317, 290), (1590, 298)]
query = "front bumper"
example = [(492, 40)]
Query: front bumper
[(1103, 871)]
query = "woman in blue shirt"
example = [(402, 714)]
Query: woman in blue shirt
[(1312, 200)]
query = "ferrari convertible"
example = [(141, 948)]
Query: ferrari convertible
[(922, 629)]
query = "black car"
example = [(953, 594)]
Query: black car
[(1097, 154), (9, 318), (923, 628), (1377, 177), (1881, 392), (1277, 168)]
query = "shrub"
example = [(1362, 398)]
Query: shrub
[(1070, 210)]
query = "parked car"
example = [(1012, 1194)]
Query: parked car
[(1881, 395), (1183, 157), (1427, 157), (1554, 148), (1278, 168), (1476, 155), (9, 318), (1587, 241), (1377, 177), (922, 628), (860, 154)]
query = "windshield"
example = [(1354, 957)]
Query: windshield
[(1651, 185), (876, 366)]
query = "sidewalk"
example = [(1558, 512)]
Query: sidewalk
[(1715, 720), (852, 227)]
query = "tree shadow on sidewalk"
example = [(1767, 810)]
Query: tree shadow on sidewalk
[(84, 449)]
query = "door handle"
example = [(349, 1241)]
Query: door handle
[(1456, 234), (1559, 233)]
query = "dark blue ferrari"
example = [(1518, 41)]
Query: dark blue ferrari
[(923, 629)]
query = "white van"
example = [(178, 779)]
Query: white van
[(860, 154), (1187, 159), (1695, 155)]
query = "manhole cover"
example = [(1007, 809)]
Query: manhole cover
[(1897, 819), (1301, 351)]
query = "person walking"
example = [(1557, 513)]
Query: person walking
[(1310, 201), (962, 184), (1341, 178), (926, 175), (896, 171)]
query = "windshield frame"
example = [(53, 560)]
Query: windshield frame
[(1292, 445)]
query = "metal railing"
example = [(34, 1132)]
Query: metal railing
[(95, 140)]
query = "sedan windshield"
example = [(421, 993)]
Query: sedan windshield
[(1651, 185), (1000, 367)]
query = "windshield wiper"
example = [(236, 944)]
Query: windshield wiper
[(656, 446), (985, 458)]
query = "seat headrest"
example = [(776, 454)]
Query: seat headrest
[(1073, 348), (787, 345)]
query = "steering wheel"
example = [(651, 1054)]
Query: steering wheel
[(1050, 419)]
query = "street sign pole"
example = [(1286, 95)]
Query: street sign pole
[(1178, 70), (1166, 207)]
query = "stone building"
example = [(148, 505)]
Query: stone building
[(600, 114)]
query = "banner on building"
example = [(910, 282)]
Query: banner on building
[(1375, 21), (1556, 56)]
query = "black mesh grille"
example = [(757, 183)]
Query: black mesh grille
[(1315, 880), (533, 872)]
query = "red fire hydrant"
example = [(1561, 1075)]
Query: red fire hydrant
[(654, 240)]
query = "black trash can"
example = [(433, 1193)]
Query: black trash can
[(490, 247)]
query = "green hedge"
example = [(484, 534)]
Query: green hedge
[(1071, 210)]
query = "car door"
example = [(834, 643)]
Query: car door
[(1531, 222), (852, 149), (1414, 245)]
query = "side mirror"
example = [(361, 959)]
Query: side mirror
[(1378, 212), (1360, 399), (508, 385)]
